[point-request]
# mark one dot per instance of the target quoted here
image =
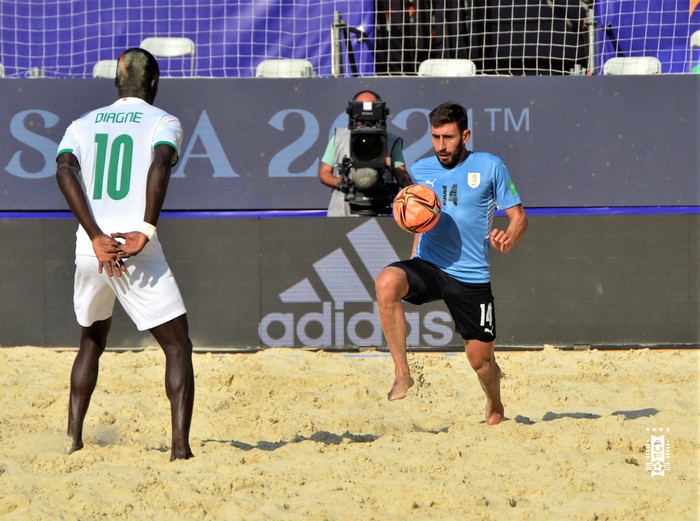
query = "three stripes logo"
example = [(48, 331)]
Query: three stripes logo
[(345, 310)]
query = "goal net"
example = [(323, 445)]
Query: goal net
[(66, 38)]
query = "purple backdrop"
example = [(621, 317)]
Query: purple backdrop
[(659, 28), (66, 38)]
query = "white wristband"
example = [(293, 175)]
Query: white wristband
[(148, 230)]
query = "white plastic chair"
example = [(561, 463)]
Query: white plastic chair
[(695, 39), (632, 65), (285, 68), (694, 43), (170, 47), (105, 69), (447, 68)]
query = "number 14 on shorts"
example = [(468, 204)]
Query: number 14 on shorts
[(486, 320)]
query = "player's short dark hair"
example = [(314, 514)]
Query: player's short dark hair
[(449, 112), (136, 70)]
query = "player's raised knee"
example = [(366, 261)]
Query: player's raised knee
[(389, 283)]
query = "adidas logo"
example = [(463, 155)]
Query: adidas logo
[(338, 323)]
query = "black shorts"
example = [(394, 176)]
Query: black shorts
[(470, 305)]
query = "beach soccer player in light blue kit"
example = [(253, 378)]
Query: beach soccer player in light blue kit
[(450, 262)]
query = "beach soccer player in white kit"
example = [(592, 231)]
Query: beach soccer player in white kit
[(113, 169)]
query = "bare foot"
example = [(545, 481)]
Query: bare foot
[(75, 446), (494, 414), (184, 453), (399, 389)]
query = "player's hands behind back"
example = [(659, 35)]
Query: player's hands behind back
[(111, 253), (107, 252), (132, 245)]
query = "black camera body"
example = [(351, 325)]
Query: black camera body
[(367, 124), (370, 191)]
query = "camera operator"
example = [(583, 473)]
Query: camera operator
[(337, 171)]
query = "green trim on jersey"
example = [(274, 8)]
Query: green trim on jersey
[(177, 152)]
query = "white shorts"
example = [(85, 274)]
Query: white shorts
[(147, 291)]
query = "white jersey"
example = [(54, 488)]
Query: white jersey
[(114, 146)]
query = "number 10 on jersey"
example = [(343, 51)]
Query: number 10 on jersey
[(116, 167)]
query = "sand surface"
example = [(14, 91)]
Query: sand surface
[(290, 434)]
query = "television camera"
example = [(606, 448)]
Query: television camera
[(367, 179)]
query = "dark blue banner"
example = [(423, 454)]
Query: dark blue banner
[(256, 144)]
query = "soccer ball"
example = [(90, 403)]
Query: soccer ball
[(416, 208)]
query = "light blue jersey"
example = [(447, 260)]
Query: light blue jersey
[(470, 193)]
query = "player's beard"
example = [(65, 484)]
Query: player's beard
[(452, 159)]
